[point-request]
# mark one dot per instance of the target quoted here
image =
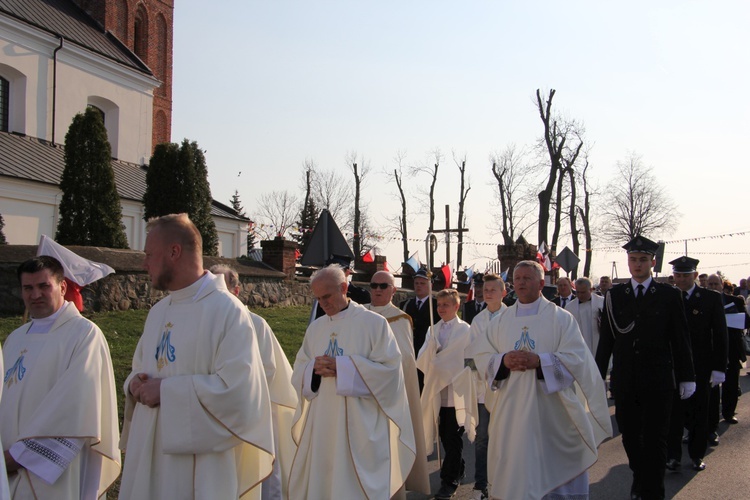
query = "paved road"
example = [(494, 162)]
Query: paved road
[(727, 476)]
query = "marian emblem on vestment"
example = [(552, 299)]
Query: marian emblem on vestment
[(165, 352), (16, 372), (525, 343), (333, 347)]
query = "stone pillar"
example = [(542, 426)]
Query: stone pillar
[(365, 270), (280, 254), (510, 255)]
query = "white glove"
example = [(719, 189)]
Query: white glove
[(717, 378), (687, 389)]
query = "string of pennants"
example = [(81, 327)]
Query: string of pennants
[(601, 249)]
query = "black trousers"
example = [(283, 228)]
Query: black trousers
[(450, 436), (730, 391), (691, 413), (643, 420)]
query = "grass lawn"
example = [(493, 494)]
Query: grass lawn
[(123, 329)]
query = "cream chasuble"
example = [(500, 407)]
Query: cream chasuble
[(61, 384), (540, 441), (352, 447), (442, 365), (588, 316), (4, 492), (401, 326), (212, 436), (283, 404)]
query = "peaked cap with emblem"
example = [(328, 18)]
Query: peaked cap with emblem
[(684, 264), (478, 278), (340, 260), (641, 244), (421, 273)]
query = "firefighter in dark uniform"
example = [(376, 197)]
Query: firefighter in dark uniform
[(645, 332), (477, 304), (708, 338), (418, 307)]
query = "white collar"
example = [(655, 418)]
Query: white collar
[(646, 283)]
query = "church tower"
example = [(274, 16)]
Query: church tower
[(145, 27)]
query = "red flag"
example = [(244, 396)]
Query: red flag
[(73, 294), (446, 269), (470, 295), (369, 256), (385, 267)]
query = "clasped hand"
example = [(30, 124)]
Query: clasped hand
[(325, 366), (146, 390), (521, 361)]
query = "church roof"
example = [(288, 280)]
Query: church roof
[(30, 159), (64, 18)]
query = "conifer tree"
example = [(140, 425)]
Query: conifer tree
[(90, 210), (3, 241), (308, 217), (237, 206), (177, 182)]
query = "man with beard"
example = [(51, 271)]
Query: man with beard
[(197, 410)]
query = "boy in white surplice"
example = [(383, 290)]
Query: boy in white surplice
[(441, 359)]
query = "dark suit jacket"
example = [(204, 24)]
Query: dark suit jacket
[(470, 310), (557, 300), (354, 292), (735, 346), (708, 332), (655, 354), (420, 319)]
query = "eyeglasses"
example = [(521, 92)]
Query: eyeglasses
[(382, 286)]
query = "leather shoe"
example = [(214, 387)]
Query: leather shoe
[(731, 420), (699, 464), (686, 438), (673, 464), (713, 439)]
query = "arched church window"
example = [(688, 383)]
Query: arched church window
[(4, 103)]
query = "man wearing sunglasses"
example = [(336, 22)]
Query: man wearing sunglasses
[(382, 290)]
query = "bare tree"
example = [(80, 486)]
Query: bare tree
[(584, 211), (430, 168), (463, 192), (512, 173), (276, 213), (334, 193), (398, 177), (562, 141), (636, 204), (360, 171)]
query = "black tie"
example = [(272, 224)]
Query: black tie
[(479, 307), (640, 291), (419, 304), (686, 296), (563, 301)]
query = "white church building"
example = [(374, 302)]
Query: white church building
[(56, 58)]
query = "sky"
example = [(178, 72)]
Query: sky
[(264, 86)]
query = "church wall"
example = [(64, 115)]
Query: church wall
[(81, 75)]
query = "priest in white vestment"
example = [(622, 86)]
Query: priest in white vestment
[(587, 310), (198, 414), (382, 290), (543, 438), (58, 413), (283, 396), (352, 426), (4, 492)]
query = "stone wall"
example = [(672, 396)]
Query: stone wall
[(130, 286)]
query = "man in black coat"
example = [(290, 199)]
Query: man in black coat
[(476, 305), (708, 338), (645, 332), (418, 308), (730, 389), (565, 293)]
